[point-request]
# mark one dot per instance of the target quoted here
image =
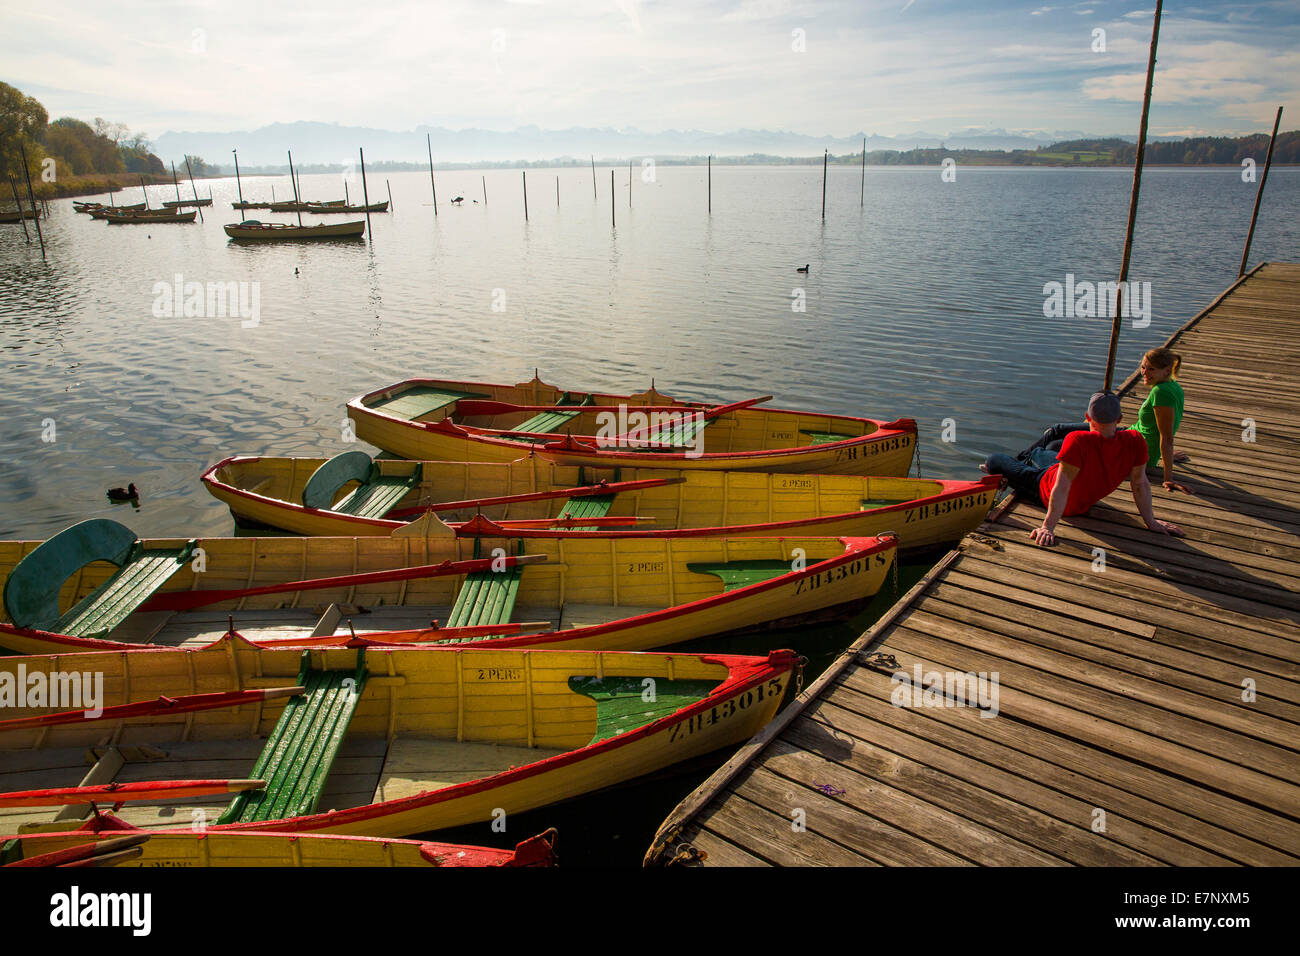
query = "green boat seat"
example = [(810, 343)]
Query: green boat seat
[(420, 400), (549, 422), (677, 434), (486, 597), (31, 594), (375, 496), (621, 703), (295, 761), (825, 438), (741, 574), (588, 506)]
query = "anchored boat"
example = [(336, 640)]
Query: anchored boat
[(254, 231), (428, 419), (351, 494), (372, 741), (95, 586), (143, 216), (111, 841)]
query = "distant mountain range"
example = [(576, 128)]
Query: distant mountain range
[(327, 143)]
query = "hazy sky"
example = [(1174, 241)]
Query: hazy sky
[(881, 67)]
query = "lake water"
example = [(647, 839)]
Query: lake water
[(925, 301)]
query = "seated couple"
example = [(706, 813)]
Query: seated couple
[(1092, 461)]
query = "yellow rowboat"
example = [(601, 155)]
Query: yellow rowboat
[(353, 495), (600, 592), (426, 419), (372, 741), (116, 843)]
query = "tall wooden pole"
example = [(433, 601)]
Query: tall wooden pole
[(710, 183), (347, 200), (176, 184), (193, 188), (484, 178), (238, 184), (612, 202), (17, 202), (365, 193), (629, 184), (31, 197), (525, 172), (593, 177), (297, 203), (428, 141), (825, 159), (144, 189), (389, 187), (557, 192), (862, 196), (1133, 201), (1259, 194)]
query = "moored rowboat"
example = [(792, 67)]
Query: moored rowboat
[(144, 216), (178, 203), (422, 738), (112, 841), (599, 592), (326, 208), (351, 494), (429, 419), (253, 230), (14, 215)]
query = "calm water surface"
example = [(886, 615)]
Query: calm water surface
[(927, 301)]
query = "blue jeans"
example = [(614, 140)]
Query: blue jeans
[(1052, 440), (1022, 477)]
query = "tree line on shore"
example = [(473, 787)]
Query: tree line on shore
[(84, 155)]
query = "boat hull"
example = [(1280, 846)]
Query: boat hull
[(416, 704), (276, 232), (923, 513), (753, 437)]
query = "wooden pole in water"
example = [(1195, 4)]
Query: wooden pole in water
[(347, 200), (612, 203), (557, 192), (593, 176), (297, 203), (428, 141), (31, 197), (238, 184), (176, 184), (1133, 200), (629, 184), (1259, 194), (825, 159), (484, 178), (17, 202), (144, 189), (525, 172), (710, 183), (389, 187), (365, 193), (862, 196), (193, 188)]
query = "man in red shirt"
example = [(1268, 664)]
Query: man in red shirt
[(1090, 465)]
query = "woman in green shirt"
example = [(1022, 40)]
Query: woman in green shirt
[(1161, 414)]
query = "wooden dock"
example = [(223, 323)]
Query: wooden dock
[(1147, 713)]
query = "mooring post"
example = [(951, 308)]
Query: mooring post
[(1259, 194), (1133, 200)]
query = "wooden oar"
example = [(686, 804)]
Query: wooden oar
[(92, 850), (485, 406), (709, 414), (602, 488), (125, 792), (106, 859), (421, 636), (160, 705), (567, 522), (185, 600)]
